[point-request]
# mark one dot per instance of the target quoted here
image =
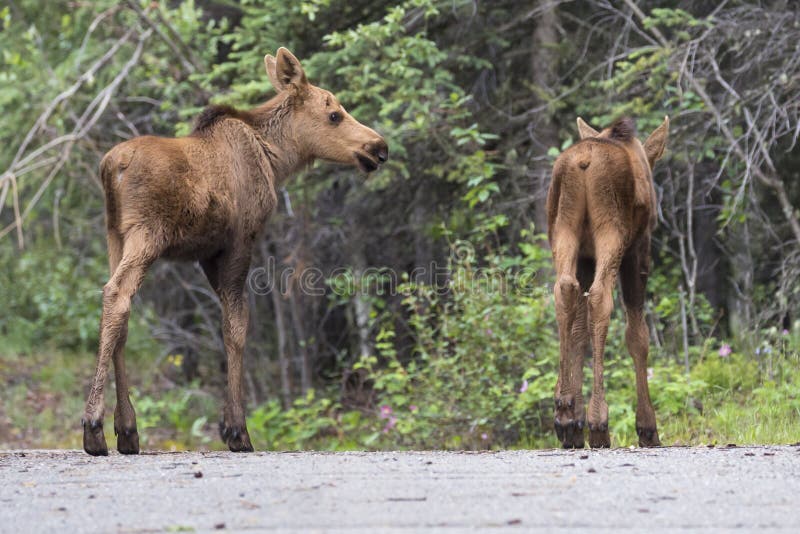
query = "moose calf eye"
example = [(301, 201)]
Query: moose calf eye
[(335, 117)]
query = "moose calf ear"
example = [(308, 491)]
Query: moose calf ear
[(288, 70), (657, 142), (270, 65), (584, 130)]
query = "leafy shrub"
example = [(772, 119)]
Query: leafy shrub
[(485, 358), (312, 422), (178, 418)]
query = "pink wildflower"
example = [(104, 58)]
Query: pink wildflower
[(725, 350), (386, 411), (413, 408), (524, 387), (390, 424), (484, 436)]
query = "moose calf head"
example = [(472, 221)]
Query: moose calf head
[(322, 125)]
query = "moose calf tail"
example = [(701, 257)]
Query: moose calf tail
[(108, 168)]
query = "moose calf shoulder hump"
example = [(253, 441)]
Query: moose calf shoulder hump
[(601, 210), (206, 198)]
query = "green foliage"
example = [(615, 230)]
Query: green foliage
[(485, 365), (39, 400), (52, 288), (176, 419), (62, 302), (399, 82), (739, 399), (731, 374), (311, 423), (675, 18), (476, 345)]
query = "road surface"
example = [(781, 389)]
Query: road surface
[(747, 489)]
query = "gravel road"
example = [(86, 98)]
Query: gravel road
[(747, 489)]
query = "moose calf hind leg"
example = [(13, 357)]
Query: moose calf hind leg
[(569, 422), (126, 432), (124, 414), (568, 418), (599, 437), (600, 305), (117, 294), (236, 437)]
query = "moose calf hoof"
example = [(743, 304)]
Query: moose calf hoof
[(94, 441), (598, 436), (648, 437), (569, 421), (127, 440), (570, 434), (236, 437)]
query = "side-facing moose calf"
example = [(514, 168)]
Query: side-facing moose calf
[(601, 209), (206, 198)]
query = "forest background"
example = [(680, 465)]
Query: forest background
[(430, 323)]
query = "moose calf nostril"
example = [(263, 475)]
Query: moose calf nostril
[(379, 150)]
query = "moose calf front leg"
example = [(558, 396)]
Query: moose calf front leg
[(233, 428), (637, 340), (633, 281)]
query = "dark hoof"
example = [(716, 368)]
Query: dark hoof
[(570, 434), (127, 440), (648, 437), (598, 436), (94, 441), (569, 421), (236, 437)]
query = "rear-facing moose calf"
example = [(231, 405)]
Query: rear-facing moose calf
[(601, 209), (206, 198)]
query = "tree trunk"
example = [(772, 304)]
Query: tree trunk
[(361, 305), (300, 338), (544, 75), (283, 358)]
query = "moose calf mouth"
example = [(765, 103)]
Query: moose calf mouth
[(366, 163)]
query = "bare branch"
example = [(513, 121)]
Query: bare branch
[(88, 119), (769, 180), (181, 51)]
